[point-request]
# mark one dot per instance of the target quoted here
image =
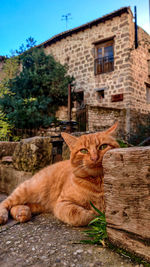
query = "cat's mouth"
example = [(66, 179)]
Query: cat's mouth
[(94, 165), (88, 172), (94, 169)]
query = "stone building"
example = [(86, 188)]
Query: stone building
[(111, 75)]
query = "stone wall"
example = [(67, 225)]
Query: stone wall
[(130, 121), (102, 118), (139, 75), (62, 113)]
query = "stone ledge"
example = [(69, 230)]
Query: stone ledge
[(7, 148), (127, 197), (11, 178), (32, 154)]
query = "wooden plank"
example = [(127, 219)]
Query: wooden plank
[(128, 242), (127, 193)]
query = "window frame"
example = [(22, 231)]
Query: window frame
[(147, 93), (148, 62), (101, 62)]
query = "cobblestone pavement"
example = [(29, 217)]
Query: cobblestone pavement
[(45, 241)]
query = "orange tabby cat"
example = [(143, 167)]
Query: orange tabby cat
[(67, 187)]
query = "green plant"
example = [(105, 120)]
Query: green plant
[(5, 128), (10, 71), (97, 231), (122, 143), (16, 138)]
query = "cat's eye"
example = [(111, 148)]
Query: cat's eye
[(84, 151), (102, 147)]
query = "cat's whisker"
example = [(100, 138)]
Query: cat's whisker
[(81, 167)]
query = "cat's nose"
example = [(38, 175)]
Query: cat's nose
[(94, 157)]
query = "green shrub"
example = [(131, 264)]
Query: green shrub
[(122, 143), (5, 128), (97, 231)]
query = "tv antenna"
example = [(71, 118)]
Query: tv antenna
[(66, 18)]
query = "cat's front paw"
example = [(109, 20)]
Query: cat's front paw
[(3, 216), (21, 213)]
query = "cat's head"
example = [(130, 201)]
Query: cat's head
[(87, 151)]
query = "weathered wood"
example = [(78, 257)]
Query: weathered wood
[(127, 197), (129, 242)]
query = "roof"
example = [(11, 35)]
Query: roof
[(83, 27)]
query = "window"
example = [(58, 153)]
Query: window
[(148, 93), (100, 93), (148, 62), (148, 67), (104, 57)]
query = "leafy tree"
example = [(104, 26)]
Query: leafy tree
[(37, 91), (30, 42), (10, 70)]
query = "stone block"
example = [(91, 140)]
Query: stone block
[(33, 154), (127, 197), (7, 148), (65, 152), (11, 178)]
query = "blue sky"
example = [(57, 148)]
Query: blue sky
[(42, 19)]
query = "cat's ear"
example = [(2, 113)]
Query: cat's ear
[(112, 129), (69, 139)]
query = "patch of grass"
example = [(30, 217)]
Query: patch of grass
[(97, 231), (122, 143)]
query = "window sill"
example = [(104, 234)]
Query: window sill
[(103, 72)]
